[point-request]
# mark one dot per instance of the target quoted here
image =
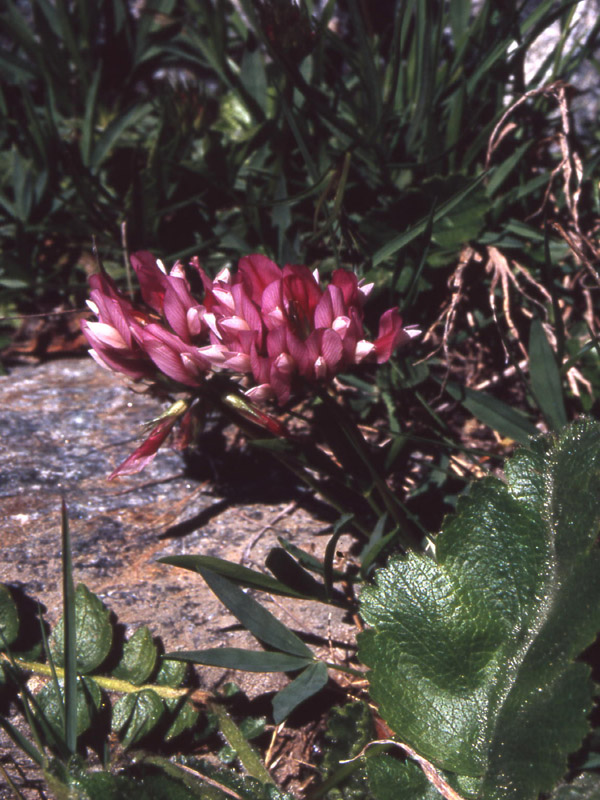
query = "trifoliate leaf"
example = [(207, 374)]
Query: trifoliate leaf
[(9, 618), (92, 628), (135, 715), (139, 658), (473, 656)]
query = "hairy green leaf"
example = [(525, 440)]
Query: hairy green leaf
[(9, 618), (139, 658), (135, 715), (473, 655), (93, 632), (88, 703)]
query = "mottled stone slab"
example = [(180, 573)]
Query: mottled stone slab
[(65, 426)]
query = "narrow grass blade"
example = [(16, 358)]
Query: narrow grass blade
[(70, 641), (494, 413), (238, 658), (242, 576), (22, 742), (308, 683), (255, 617), (545, 377), (391, 248)]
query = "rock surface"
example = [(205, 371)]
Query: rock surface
[(65, 426)]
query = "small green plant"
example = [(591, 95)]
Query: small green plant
[(473, 651)]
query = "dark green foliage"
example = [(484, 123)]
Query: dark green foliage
[(94, 632), (473, 654), (9, 618), (138, 659)]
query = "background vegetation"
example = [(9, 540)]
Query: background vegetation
[(419, 143)]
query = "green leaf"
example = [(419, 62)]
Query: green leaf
[(184, 717), (139, 658), (472, 657), (170, 673), (349, 729), (499, 416), (308, 683), (114, 130), (255, 617), (87, 706), (247, 660), (9, 618), (390, 779), (93, 632), (70, 636), (396, 244), (243, 576), (290, 573), (135, 715), (545, 377)]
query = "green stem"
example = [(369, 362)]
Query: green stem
[(110, 684), (244, 750), (407, 537)]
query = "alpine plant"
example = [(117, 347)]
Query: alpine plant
[(275, 329)]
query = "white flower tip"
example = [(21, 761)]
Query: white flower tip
[(363, 349), (93, 307), (365, 289), (260, 393), (412, 331), (161, 266)]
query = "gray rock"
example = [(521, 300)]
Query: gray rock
[(65, 426)]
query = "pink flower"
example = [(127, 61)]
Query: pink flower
[(290, 327), (114, 338)]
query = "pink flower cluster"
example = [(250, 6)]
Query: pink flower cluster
[(275, 326)]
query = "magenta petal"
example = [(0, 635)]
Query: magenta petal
[(347, 282), (332, 349), (167, 350), (153, 282), (324, 311), (390, 333), (145, 453), (257, 272)]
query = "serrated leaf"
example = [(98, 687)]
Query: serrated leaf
[(136, 714), (93, 632), (309, 682), (9, 618), (473, 657), (139, 658), (88, 704)]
